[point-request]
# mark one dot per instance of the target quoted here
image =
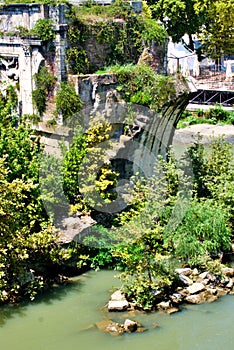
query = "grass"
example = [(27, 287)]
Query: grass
[(215, 115)]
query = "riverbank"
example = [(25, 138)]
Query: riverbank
[(189, 134), (192, 287)]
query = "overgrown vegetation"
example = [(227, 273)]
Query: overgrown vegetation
[(176, 220), (45, 83), (27, 242), (8, 105), (172, 219), (139, 84), (115, 33), (30, 257), (43, 30), (177, 217), (212, 115), (67, 101)]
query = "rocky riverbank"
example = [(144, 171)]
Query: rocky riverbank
[(192, 287)]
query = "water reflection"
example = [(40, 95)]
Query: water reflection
[(51, 296), (65, 318)]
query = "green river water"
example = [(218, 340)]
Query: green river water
[(62, 319)]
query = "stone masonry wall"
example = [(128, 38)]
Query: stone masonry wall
[(20, 58)]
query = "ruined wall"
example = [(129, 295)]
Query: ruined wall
[(15, 15), (22, 57), (148, 134)]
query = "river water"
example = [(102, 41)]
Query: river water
[(64, 319)]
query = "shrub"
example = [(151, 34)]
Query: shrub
[(43, 28), (45, 83), (67, 101), (140, 84)]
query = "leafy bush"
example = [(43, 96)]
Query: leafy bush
[(139, 84), (67, 101), (45, 83), (211, 116), (88, 179), (44, 30), (203, 231)]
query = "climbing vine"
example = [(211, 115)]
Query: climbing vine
[(99, 37)]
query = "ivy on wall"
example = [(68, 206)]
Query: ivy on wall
[(100, 36)]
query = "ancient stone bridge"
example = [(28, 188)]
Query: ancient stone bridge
[(21, 58)]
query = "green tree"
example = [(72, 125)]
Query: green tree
[(88, 178), (218, 26), (26, 249), (179, 17), (146, 261), (30, 256), (21, 150)]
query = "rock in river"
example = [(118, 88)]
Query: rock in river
[(117, 305)]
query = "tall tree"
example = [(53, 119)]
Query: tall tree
[(179, 17), (218, 26)]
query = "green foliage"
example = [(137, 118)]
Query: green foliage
[(45, 83), (211, 167), (33, 118), (77, 59), (26, 241), (88, 179), (99, 243), (8, 105), (153, 32), (202, 232), (49, 2), (178, 16), (213, 116), (30, 258), (115, 30), (217, 33), (51, 185), (43, 28), (21, 150), (165, 226), (67, 101), (139, 84), (147, 13), (23, 32)]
